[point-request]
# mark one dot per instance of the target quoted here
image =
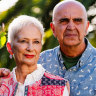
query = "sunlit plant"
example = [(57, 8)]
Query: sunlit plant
[(2, 36)]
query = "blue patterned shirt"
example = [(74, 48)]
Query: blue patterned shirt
[(82, 77)]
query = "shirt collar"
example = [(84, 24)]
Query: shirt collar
[(88, 51), (84, 57), (32, 77), (60, 55)]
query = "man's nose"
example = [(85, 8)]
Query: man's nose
[(70, 25)]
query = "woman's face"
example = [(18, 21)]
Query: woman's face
[(27, 45)]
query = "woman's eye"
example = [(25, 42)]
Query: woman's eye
[(37, 42), (23, 41)]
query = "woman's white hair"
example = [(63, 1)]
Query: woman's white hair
[(18, 23)]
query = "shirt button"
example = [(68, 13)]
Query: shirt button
[(70, 69), (64, 68)]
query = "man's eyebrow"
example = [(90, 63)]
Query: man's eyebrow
[(63, 19), (77, 19)]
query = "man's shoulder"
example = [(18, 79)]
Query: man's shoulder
[(91, 49), (48, 56), (50, 51), (8, 80)]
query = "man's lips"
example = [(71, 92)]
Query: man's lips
[(71, 35), (29, 56)]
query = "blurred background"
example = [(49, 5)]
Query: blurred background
[(42, 9)]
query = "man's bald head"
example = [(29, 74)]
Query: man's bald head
[(68, 3)]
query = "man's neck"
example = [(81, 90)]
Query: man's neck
[(73, 51)]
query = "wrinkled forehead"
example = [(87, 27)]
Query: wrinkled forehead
[(71, 8)]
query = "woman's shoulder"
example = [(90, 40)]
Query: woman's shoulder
[(52, 76), (50, 79)]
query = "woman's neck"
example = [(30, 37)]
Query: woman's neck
[(23, 71)]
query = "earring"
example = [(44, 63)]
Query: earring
[(10, 56)]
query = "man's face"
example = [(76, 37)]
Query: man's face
[(70, 25)]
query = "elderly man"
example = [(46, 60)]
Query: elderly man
[(75, 58)]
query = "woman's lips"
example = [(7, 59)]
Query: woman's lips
[(29, 56)]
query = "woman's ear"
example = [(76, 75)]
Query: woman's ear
[(8, 45)]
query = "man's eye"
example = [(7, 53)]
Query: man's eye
[(77, 20), (64, 20)]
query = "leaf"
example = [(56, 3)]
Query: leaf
[(2, 41), (2, 34)]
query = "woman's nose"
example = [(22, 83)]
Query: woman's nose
[(30, 47)]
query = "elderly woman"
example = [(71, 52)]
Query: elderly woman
[(29, 78)]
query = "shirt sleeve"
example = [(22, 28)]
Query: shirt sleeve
[(65, 93)]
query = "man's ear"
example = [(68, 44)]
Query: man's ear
[(87, 26), (53, 29), (8, 45)]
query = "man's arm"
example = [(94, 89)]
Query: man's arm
[(4, 72)]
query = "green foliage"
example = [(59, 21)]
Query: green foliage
[(49, 40), (2, 38), (2, 41), (87, 3), (5, 61), (92, 38)]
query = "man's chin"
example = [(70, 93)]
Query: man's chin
[(71, 44)]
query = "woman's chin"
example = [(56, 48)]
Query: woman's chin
[(29, 63)]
